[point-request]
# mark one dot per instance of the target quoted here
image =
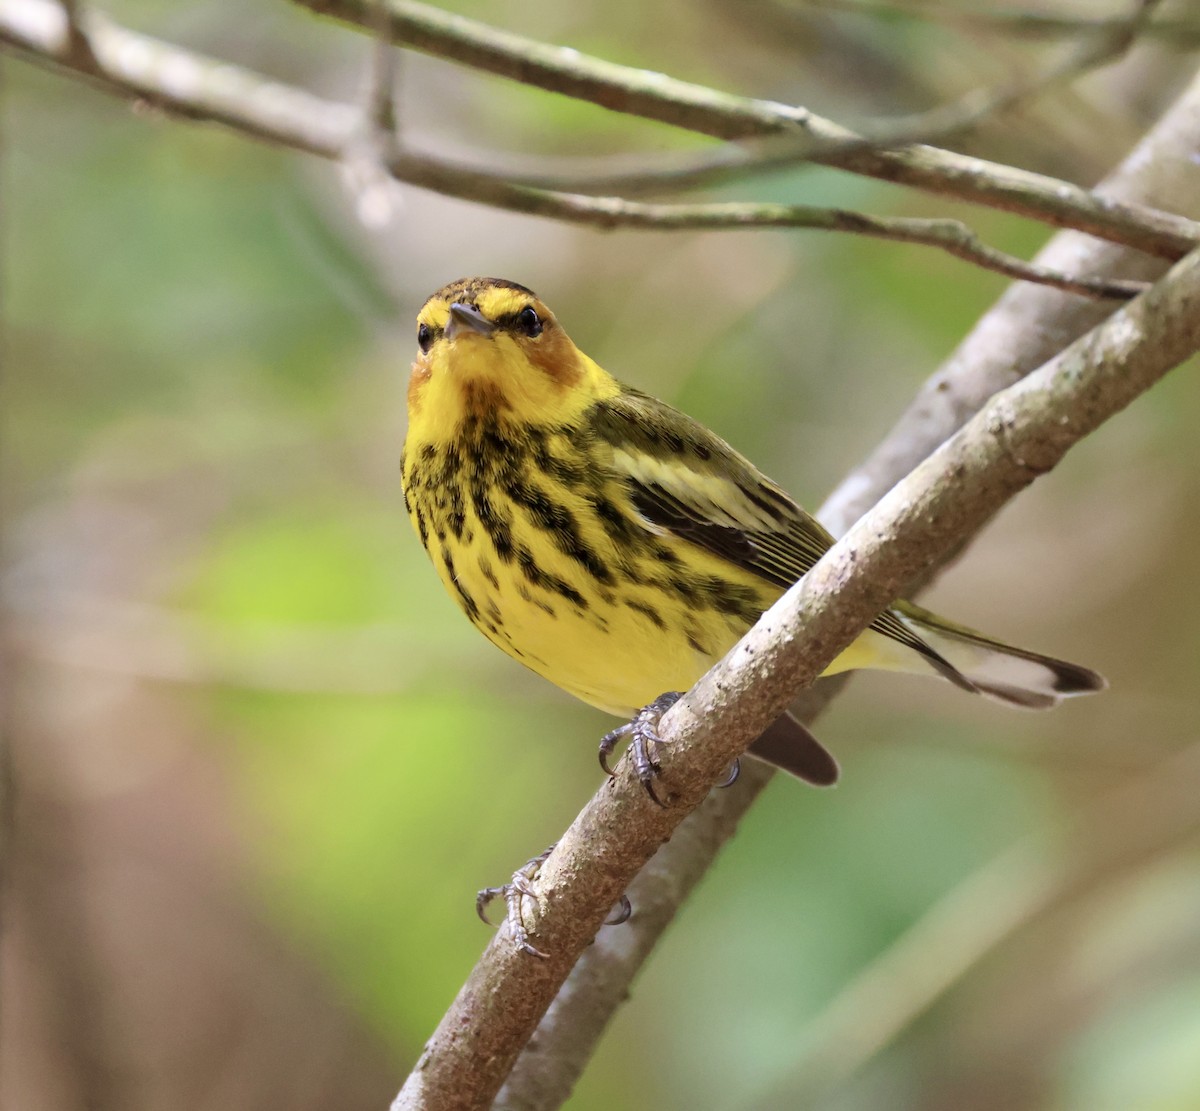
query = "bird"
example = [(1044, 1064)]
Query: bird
[(618, 547)]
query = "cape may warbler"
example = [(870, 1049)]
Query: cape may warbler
[(618, 547)]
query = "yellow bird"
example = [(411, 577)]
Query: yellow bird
[(618, 547)]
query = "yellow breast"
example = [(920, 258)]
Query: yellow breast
[(541, 552)]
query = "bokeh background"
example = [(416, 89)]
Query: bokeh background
[(261, 763)]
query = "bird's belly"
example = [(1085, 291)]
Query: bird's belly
[(618, 666), (616, 649)]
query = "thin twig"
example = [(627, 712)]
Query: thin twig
[(135, 65), (1095, 51), (951, 236), (366, 157), (381, 97), (193, 86)]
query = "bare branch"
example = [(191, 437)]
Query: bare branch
[(952, 236), (730, 163), (381, 97), (202, 88), (1021, 433), (367, 156), (190, 85), (1026, 328), (198, 87), (707, 111)]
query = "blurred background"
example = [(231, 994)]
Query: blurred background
[(261, 763)]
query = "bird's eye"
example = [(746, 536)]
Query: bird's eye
[(424, 337), (529, 322)]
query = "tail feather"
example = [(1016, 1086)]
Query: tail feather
[(1018, 696), (969, 659), (1002, 671), (789, 745)]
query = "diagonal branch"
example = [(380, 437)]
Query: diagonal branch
[(191, 85), (735, 162), (655, 96), (1025, 328), (1020, 434), (1096, 50)]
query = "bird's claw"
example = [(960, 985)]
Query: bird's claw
[(644, 744), (514, 893), (610, 741), (623, 913), (521, 887)]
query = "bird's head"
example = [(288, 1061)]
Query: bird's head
[(489, 345)]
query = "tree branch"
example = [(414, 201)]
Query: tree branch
[(1021, 433), (1098, 49), (655, 96), (735, 162), (951, 236), (732, 162), (141, 68), (198, 87), (1027, 327)]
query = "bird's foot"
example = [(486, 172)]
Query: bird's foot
[(520, 887), (645, 744), (514, 893)]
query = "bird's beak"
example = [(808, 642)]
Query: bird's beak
[(467, 318)]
